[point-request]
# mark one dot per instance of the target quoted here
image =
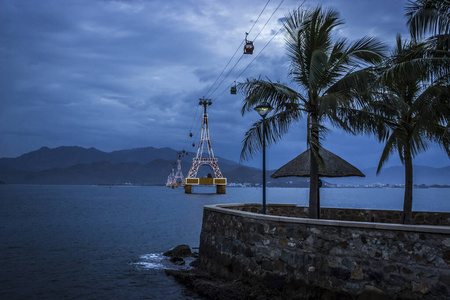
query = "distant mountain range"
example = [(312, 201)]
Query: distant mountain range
[(151, 166)]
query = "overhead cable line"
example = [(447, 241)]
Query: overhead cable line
[(223, 70), (237, 50), (249, 64), (254, 39), (226, 76), (258, 17), (185, 146), (255, 56), (243, 54)]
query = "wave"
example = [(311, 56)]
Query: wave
[(157, 261)]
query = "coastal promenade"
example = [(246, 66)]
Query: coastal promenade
[(350, 253)]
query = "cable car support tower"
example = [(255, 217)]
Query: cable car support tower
[(205, 148), (176, 179)]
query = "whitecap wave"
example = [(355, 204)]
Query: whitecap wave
[(157, 261)]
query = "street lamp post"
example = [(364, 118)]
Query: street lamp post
[(263, 110)]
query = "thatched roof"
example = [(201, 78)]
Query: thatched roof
[(334, 166)]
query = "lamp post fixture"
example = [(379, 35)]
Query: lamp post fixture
[(263, 110)]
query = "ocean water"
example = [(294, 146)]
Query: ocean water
[(100, 242)]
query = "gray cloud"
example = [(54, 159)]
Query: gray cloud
[(125, 74)]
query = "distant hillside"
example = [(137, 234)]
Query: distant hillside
[(46, 158), (77, 165), (396, 175), (63, 157)]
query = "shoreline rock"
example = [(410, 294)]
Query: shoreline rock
[(179, 251), (211, 287)]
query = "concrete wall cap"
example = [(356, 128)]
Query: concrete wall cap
[(227, 209)]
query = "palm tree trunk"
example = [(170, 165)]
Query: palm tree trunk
[(314, 202), (407, 202)]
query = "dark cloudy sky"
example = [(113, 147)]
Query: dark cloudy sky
[(126, 74)]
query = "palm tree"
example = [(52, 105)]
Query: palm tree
[(431, 16), (324, 72), (409, 111)]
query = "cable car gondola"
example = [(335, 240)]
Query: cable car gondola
[(249, 46), (233, 90)]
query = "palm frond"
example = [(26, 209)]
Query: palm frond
[(367, 49), (364, 121), (388, 149), (411, 58), (442, 136), (428, 16), (275, 127), (316, 72), (278, 95)]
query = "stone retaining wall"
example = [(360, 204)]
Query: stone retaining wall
[(326, 257)]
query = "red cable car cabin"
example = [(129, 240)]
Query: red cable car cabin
[(249, 47)]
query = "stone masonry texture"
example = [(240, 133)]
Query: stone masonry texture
[(358, 260)]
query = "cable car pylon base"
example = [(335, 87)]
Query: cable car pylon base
[(205, 144)]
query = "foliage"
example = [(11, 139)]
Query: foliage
[(431, 16), (324, 72), (410, 108)]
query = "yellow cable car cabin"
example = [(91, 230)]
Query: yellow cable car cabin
[(249, 47)]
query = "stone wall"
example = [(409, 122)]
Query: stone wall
[(326, 257), (346, 214)]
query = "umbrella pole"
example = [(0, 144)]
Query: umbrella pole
[(319, 185)]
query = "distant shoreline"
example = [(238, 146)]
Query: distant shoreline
[(326, 186)]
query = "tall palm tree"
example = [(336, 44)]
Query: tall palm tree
[(323, 71), (432, 16), (409, 111)]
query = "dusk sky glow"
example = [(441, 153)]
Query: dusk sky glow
[(116, 75)]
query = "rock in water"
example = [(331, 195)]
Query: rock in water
[(179, 251), (177, 260)]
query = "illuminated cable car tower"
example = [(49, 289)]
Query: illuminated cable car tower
[(205, 156), (172, 179)]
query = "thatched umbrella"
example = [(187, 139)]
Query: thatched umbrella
[(334, 166)]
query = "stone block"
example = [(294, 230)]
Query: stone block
[(375, 276), (352, 286), (282, 242), (340, 273), (421, 287), (357, 274), (348, 263), (396, 280)]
